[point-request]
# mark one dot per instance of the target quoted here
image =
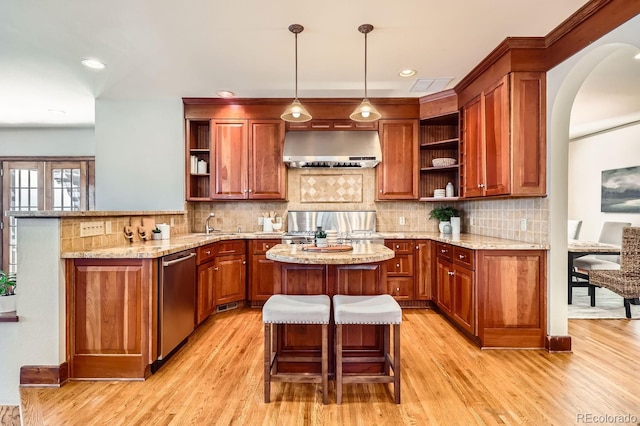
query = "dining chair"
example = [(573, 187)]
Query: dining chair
[(573, 229), (625, 281), (611, 233)]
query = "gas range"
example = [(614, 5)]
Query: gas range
[(342, 227)]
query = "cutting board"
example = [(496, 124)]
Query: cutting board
[(328, 249)]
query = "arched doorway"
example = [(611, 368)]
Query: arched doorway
[(563, 83)]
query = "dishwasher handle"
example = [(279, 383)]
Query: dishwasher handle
[(178, 260)]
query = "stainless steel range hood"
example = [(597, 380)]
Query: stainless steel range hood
[(348, 149)]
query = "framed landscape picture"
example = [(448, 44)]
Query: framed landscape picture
[(621, 190)]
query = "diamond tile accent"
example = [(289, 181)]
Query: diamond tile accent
[(331, 188)]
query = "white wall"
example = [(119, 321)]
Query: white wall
[(47, 141), (588, 157), (140, 154), (38, 338)]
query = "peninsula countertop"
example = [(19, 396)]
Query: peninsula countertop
[(361, 253)]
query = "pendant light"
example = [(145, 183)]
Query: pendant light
[(296, 113), (365, 111)]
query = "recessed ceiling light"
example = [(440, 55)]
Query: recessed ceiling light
[(226, 94), (407, 73), (93, 63), (637, 56)]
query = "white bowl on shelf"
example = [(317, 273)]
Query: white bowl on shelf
[(443, 162)]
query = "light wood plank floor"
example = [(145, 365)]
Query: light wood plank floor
[(217, 379)]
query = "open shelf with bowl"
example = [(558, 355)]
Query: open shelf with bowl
[(439, 156)]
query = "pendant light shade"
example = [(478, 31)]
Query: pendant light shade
[(296, 113), (365, 111)]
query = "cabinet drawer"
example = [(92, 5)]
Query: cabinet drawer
[(205, 253), (261, 246), (400, 288), (230, 247), (400, 266), (444, 250), (463, 257), (400, 246)]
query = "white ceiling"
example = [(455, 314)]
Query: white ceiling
[(193, 48)]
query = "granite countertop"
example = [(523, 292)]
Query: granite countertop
[(470, 241), (158, 248), (361, 253)]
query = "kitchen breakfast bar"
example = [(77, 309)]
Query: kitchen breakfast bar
[(359, 271)]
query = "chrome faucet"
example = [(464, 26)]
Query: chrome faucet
[(208, 229)]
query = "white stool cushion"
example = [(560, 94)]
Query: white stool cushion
[(592, 263), (381, 309), (297, 309)]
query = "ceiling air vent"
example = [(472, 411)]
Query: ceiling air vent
[(430, 85)]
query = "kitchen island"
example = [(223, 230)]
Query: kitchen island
[(362, 271)]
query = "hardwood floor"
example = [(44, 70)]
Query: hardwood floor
[(217, 379)]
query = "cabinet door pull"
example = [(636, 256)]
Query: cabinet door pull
[(443, 250), (450, 273), (461, 256)]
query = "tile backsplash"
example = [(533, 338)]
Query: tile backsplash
[(498, 218)]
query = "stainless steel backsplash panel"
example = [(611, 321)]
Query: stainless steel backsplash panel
[(341, 221)]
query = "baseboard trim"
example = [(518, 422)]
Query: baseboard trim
[(44, 375), (558, 343)]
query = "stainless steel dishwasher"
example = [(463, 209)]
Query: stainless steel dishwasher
[(177, 301)]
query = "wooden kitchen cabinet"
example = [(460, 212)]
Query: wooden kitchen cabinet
[(424, 269), (205, 292), (244, 159), (511, 298), (111, 308), (230, 278), (503, 138), (397, 174), (267, 171), (400, 269), (456, 286), (261, 271)]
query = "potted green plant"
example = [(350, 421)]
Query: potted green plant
[(7, 292), (157, 233), (444, 215), (321, 237)]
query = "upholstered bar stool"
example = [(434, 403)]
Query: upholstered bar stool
[(295, 309), (373, 310)]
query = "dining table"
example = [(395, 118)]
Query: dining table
[(579, 248)]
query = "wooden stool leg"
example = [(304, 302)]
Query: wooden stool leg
[(325, 364), (339, 364), (267, 361), (396, 362), (386, 340)]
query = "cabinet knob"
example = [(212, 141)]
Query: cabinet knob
[(397, 265), (443, 250), (250, 190), (450, 273), (417, 247), (215, 268), (398, 246), (461, 256), (380, 191), (208, 252), (244, 262), (266, 245)]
